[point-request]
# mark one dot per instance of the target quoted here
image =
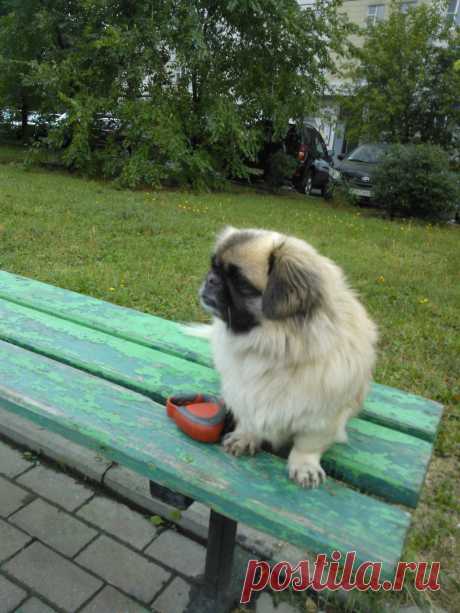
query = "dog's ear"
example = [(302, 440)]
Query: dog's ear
[(293, 288), (225, 233)]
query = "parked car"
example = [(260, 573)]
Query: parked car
[(305, 145), (38, 124), (315, 163), (357, 168)]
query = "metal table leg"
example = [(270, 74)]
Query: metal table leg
[(216, 593)]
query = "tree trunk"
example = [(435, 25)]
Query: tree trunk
[(24, 118), (194, 140)]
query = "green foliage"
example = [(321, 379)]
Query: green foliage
[(415, 180), (186, 82), (342, 194), (280, 167), (20, 43), (156, 520), (175, 515), (403, 86)]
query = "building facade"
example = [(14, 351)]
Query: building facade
[(362, 13)]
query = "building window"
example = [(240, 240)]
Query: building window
[(453, 11), (307, 4), (405, 6), (375, 13)]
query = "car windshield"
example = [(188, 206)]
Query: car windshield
[(371, 154)]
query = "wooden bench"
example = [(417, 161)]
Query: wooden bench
[(98, 374)]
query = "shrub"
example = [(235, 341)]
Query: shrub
[(342, 194), (280, 167), (415, 181)]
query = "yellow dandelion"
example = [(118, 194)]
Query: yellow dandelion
[(381, 279)]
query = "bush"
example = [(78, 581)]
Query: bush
[(415, 181), (280, 167), (342, 194)]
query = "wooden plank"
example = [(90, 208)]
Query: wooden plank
[(142, 328), (399, 410), (380, 461), (134, 431), (145, 370), (386, 406)]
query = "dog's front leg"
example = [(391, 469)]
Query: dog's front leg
[(241, 441), (304, 459)]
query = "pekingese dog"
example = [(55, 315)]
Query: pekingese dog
[(293, 345)]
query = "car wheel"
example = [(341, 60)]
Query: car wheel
[(307, 183)]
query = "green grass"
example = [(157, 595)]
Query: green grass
[(12, 153), (150, 250)]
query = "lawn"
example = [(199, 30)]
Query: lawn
[(149, 250)]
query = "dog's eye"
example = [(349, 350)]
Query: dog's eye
[(215, 264), (247, 289), (240, 283)]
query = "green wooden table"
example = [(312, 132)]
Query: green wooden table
[(99, 374)]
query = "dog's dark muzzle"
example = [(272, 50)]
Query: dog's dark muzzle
[(213, 294)]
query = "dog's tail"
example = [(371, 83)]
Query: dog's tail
[(197, 330)]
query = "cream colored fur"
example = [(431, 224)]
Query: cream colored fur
[(290, 381)]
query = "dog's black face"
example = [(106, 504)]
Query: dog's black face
[(229, 295)]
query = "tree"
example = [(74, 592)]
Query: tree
[(33, 33), (402, 85), (187, 83), (20, 43)]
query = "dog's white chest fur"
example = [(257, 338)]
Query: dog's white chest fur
[(272, 399)]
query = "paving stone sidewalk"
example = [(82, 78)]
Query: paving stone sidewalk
[(67, 547)]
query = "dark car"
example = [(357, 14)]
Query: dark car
[(358, 167), (314, 162), (306, 146)]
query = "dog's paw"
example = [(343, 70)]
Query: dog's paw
[(307, 474), (239, 443)]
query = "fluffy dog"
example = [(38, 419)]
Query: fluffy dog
[(293, 345)]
